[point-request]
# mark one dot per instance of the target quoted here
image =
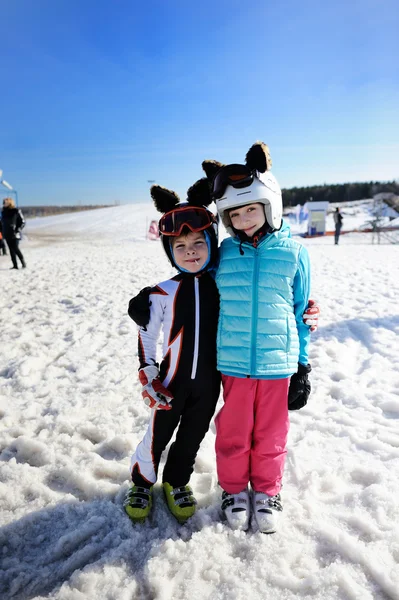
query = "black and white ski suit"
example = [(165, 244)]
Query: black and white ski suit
[(187, 307)]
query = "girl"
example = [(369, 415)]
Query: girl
[(263, 280)]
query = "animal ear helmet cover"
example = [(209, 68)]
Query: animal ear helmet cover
[(264, 188), (198, 195)]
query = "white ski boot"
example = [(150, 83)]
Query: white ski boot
[(267, 511), (237, 508)]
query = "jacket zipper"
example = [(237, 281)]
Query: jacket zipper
[(254, 324), (196, 328)]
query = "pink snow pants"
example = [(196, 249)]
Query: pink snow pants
[(251, 434)]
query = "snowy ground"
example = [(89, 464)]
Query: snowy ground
[(71, 414)]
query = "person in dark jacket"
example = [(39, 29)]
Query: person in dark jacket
[(183, 390), (11, 222), (338, 225)]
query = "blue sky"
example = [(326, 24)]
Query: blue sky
[(98, 97)]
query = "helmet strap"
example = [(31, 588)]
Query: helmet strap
[(261, 232)]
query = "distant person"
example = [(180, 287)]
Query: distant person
[(338, 224), (11, 223), (3, 248)]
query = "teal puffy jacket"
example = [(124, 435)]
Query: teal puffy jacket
[(263, 295)]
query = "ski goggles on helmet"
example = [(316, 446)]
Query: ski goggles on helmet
[(193, 217), (238, 176)]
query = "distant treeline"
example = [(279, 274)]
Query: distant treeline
[(342, 192), (45, 211)]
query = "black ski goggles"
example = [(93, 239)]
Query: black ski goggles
[(238, 176), (193, 217)]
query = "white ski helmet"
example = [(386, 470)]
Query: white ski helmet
[(255, 183), (264, 189)]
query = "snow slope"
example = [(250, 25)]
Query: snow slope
[(71, 414)]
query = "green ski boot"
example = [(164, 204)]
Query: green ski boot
[(180, 501), (138, 503)]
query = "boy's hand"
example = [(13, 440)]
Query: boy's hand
[(154, 393), (139, 307), (300, 387), (311, 315)]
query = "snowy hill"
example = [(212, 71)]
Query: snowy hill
[(132, 221), (123, 222), (71, 415)]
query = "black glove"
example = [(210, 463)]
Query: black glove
[(299, 390), (139, 307)]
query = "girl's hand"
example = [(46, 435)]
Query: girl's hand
[(311, 315)]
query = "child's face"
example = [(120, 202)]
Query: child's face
[(190, 251), (248, 218)]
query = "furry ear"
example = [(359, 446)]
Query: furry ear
[(258, 157), (211, 167), (164, 200), (199, 194)]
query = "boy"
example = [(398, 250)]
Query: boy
[(183, 392)]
